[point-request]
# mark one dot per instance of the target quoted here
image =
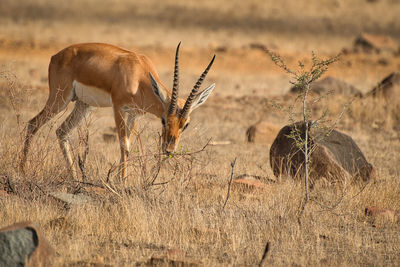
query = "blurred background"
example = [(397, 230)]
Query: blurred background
[(322, 25)]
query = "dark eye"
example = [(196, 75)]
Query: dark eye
[(163, 121), (184, 127)]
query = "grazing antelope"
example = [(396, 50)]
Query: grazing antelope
[(103, 75)]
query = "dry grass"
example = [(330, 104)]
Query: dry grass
[(181, 206), (135, 221)]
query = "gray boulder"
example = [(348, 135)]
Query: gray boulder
[(389, 87), (22, 244), (371, 43), (335, 156), (262, 132)]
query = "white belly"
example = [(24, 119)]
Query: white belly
[(92, 96)]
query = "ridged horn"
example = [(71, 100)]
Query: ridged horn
[(193, 93), (175, 87)]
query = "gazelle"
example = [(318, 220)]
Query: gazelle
[(103, 75)]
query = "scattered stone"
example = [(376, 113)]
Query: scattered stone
[(346, 50), (389, 87), (383, 61), (379, 216), (370, 43), (331, 84), (262, 132), (217, 48), (335, 155), (220, 143), (3, 193), (258, 46), (248, 184), (109, 137), (70, 199), (33, 73), (175, 253), (22, 244), (221, 49)]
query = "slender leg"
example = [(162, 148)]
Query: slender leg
[(33, 126), (80, 112), (48, 112), (124, 134), (130, 125)]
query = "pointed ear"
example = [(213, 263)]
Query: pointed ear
[(202, 97), (159, 92)]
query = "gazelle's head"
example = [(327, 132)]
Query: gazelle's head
[(175, 119)]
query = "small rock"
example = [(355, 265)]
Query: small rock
[(346, 50), (258, 46), (34, 73), (249, 184), (262, 132), (109, 137), (380, 216), (3, 193), (221, 49), (22, 244), (175, 253), (370, 43), (71, 199), (220, 143), (383, 61), (389, 87)]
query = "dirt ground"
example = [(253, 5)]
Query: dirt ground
[(185, 213)]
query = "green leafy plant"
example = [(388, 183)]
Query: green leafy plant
[(302, 80)]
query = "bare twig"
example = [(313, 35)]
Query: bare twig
[(194, 152), (159, 162), (190, 170), (334, 206), (230, 182), (359, 192), (174, 154), (157, 172), (264, 256), (142, 158), (110, 188), (162, 183), (110, 170), (82, 159)]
